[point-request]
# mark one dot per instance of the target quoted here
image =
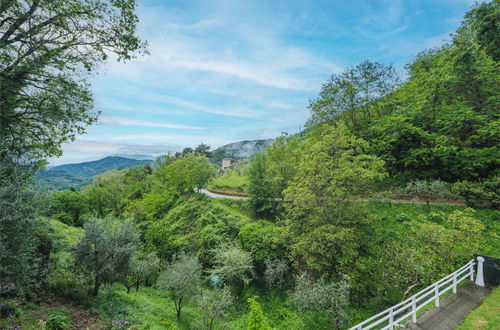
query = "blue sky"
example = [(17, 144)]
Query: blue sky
[(222, 71)]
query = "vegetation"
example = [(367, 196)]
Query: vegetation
[(231, 182), (181, 279), (486, 316), (309, 249)]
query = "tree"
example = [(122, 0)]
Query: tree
[(185, 173), (67, 206), (355, 90), (233, 264), (24, 247), (321, 296), (428, 190), (213, 304), (142, 269), (256, 320), (203, 150), (276, 270), (104, 252), (333, 169), (181, 278), (47, 50), (260, 201)]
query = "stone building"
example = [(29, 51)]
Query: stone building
[(227, 162)]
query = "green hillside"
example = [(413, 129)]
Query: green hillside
[(77, 175)]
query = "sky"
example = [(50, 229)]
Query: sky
[(221, 71)]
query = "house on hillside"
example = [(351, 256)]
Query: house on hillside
[(227, 162)]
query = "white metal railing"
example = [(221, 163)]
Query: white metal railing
[(392, 316)]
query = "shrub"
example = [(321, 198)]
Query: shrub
[(257, 319), (56, 322), (321, 296), (485, 193)]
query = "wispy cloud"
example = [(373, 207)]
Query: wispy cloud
[(131, 122), (225, 70)]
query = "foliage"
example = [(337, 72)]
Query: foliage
[(56, 322), (229, 182), (233, 264), (256, 320), (355, 93), (104, 252), (213, 305), (326, 250), (181, 278), (486, 316), (68, 206), (260, 238), (332, 170), (143, 269), (25, 244), (321, 296), (196, 226), (446, 124), (276, 271), (483, 193), (47, 50), (185, 173), (428, 190), (261, 201)]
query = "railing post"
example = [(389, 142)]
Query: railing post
[(479, 276), (455, 283), (391, 319), (471, 269), (436, 294), (414, 309)]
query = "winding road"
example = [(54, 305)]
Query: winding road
[(215, 195)]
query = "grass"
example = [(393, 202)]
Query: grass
[(237, 207), (486, 316), (229, 182)]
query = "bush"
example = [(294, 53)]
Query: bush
[(329, 298), (56, 322), (485, 193)]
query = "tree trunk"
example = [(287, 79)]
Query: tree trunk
[(137, 286), (178, 309), (97, 285)]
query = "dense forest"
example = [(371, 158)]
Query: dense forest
[(321, 242)]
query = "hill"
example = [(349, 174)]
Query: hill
[(79, 174), (239, 150)]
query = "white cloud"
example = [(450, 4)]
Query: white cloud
[(132, 122)]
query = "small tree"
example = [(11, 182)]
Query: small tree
[(181, 278), (428, 190), (275, 272), (233, 264), (142, 268), (213, 304), (321, 296), (257, 320), (105, 250)]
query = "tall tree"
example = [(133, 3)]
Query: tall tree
[(352, 94), (47, 50)]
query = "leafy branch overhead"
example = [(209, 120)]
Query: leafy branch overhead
[(48, 49)]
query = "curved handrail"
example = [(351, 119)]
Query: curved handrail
[(391, 314)]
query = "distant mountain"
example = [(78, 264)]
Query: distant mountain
[(239, 150), (135, 156), (77, 175)]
